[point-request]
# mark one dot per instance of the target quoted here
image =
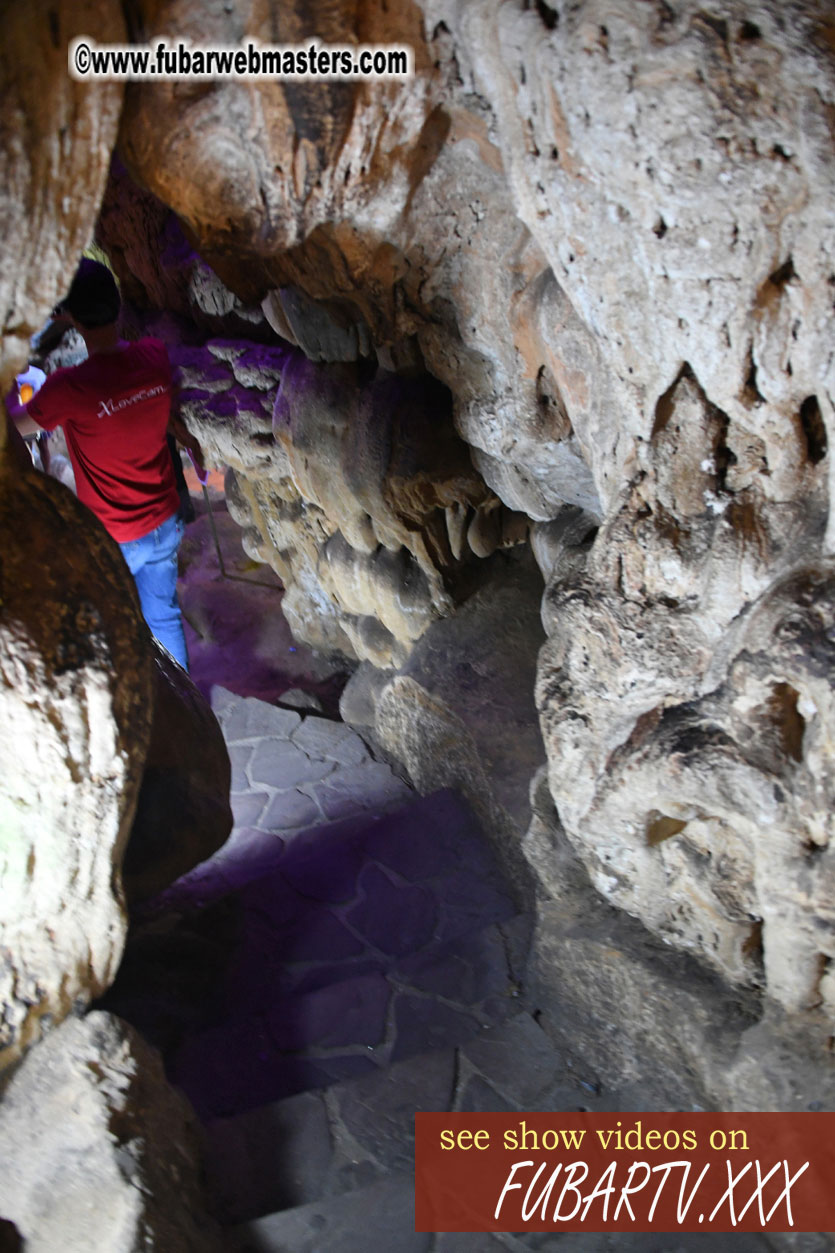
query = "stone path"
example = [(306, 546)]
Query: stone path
[(237, 635), (350, 957), (332, 1172), (347, 924)]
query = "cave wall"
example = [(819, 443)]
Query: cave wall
[(56, 136), (92, 1137), (72, 733), (607, 229), (76, 688), (573, 282), (88, 707)]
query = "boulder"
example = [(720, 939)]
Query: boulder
[(98, 1150), (76, 685)]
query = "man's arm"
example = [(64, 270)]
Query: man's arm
[(17, 412), (178, 428), (17, 447)]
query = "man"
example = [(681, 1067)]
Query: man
[(115, 409)]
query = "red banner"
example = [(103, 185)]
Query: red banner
[(625, 1172)]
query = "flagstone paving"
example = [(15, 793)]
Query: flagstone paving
[(351, 956), (346, 924)]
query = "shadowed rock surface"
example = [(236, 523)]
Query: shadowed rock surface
[(182, 811)]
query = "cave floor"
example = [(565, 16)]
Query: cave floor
[(346, 940), (236, 635), (351, 956)]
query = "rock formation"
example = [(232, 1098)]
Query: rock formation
[(111, 759), (98, 1151), (182, 810), (607, 232), (76, 675), (77, 703), (75, 671), (570, 287), (57, 136)]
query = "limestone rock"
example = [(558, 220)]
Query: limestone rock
[(556, 254), (57, 135), (298, 698), (685, 706), (159, 269), (675, 172), (562, 545), (98, 1150), (323, 333), (421, 731), (359, 493), (206, 172), (646, 1020), (390, 225), (677, 1038), (481, 663), (358, 702), (183, 814), (75, 704)]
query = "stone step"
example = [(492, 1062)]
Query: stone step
[(292, 774), (350, 1027), (379, 1217), (361, 942), (319, 1145), (334, 1170)]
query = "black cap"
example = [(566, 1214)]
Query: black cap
[(93, 298)]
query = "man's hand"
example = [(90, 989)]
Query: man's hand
[(17, 412), (183, 436), (185, 439)]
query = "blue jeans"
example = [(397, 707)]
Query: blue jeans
[(152, 560)]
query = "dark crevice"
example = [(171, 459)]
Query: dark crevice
[(717, 24), (135, 22), (723, 456), (811, 420), (550, 17), (752, 948), (718, 424), (784, 274), (666, 15), (788, 723), (750, 31), (664, 404), (751, 392), (660, 228)]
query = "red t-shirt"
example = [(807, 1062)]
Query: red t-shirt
[(114, 408)]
